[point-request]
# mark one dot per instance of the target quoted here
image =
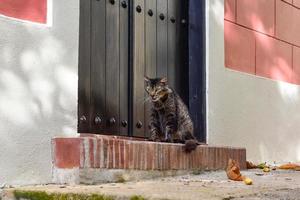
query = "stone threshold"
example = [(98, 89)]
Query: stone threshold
[(100, 158)]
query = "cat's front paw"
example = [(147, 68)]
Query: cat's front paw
[(154, 137)]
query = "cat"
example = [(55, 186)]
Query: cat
[(170, 120)]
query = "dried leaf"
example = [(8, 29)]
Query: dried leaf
[(262, 165), (233, 171), (250, 165), (266, 169), (292, 166)]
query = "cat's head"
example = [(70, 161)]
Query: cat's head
[(157, 88)]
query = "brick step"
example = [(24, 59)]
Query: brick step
[(110, 152)]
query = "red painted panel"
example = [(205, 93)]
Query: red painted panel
[(296, 65), (257, 15), (67, 152), (273, 58), (239, 48), (30, 10), (296, 3), (230, 12), (289, 1), (287, 22)]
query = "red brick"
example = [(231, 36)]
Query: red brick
[(287, 23), (110, 153), (258, 15), (97, 153), (116, 154), (122, 154), (105, 152), (130, 155), (296, 3), (296, 65), (273, 58), (126, 155), (91, 152), (239, 48), (67, 152), (230, 12), (150, 156)]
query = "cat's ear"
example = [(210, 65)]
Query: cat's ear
[(147, 79), (164, 80)]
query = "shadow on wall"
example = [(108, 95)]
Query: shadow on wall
[(38, 87), (250, 111)]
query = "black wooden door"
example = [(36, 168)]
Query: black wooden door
[(121, 41), (103, 67), (160, 49)]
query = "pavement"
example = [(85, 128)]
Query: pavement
[(278, 184)]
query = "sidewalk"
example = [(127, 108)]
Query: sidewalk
[(207, 185)]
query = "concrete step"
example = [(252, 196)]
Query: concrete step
[(97, 158)]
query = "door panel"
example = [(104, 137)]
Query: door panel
[(112, 66), (103, 67), (84, 68), (151, 43), (162, 38), (124, 69), (159, 51), (98, 66), (172, 20), (138, 67)]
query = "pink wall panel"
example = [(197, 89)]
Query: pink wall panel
[(239, 48), (287, 23), (296, 3), (230, 12), (296, 65), (275, 27), (273, 58), (257, 14), (30, 10)]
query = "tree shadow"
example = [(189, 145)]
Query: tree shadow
[(38, 87)]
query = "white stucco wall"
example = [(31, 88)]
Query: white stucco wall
[(38, 92), (248, 111)]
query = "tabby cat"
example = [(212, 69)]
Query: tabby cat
[(170, 120)]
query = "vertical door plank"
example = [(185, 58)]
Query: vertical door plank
[(182, 69), (150, 54), (162, 38), (138, 67), (112, 66), (84, 68), (172, 50), (98, 65), (124, 48)]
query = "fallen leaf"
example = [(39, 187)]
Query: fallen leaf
[(262, 165), (289, 166), (233, 171), (266, 169), (259, 174), (250, 165)]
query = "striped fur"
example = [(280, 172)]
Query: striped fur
[(170, 120)]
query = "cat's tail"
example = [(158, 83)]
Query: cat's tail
[(190, 145)]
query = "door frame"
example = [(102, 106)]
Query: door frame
[(197, 67)]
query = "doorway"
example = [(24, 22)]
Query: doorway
[(121, 41)]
